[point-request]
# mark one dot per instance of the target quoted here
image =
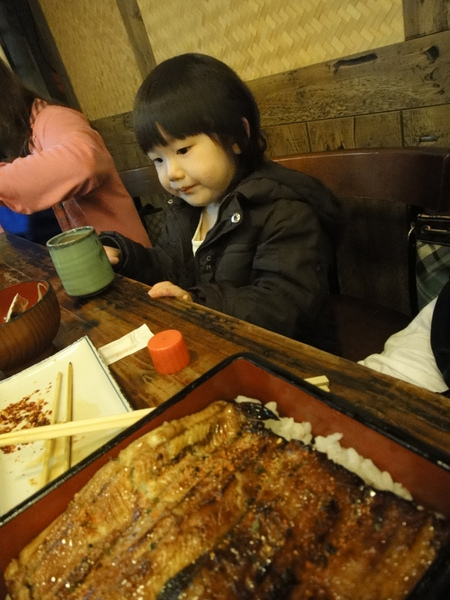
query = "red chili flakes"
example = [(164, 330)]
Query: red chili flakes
[(28, 412)]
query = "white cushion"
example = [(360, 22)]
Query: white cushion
[(407, 354)]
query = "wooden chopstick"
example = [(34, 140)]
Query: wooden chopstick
[(48, 432), (68, 418), (50, 443)]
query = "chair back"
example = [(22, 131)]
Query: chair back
[(143, 185), (141, 181), (383, 189), (413, 176)]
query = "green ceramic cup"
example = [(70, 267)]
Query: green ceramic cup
[(80, 261)]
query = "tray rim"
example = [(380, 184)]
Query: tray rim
[(337, 402), (333, 400), (437, 575)]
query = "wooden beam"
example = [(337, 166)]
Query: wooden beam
[(55, 57), (407, 75), (425, 17), (137, 35)]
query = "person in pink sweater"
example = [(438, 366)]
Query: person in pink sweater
[(57, 173)]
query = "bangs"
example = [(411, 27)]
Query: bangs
[(178, 116)]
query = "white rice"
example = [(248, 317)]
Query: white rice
[(289, 429)]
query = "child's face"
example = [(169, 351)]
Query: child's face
[(195, 168)]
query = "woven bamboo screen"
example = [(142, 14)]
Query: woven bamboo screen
[(263, 37), (255, 37), (94, 47)]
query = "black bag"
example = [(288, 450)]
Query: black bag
[(430, 258)]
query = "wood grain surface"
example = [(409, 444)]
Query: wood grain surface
[(211, 337)]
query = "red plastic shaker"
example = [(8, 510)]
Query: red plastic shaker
[(168, 351)]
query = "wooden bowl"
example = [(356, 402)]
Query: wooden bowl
[(29, 334)]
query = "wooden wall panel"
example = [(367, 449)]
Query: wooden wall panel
[(287, 139), (406, 75), (120, 140), (427, 126), (425, 16), (378, 130), (332, 134)]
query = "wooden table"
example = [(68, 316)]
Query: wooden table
[(211, 337)]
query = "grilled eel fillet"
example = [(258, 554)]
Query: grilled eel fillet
[(215, 506)]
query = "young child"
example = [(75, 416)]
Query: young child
[(242, 235)]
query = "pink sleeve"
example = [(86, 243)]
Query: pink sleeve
[(69, 159)]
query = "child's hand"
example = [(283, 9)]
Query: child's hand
[(113, 254), (164, 289)]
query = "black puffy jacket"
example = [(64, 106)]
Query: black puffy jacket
[(266, 260)]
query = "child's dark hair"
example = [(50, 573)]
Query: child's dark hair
[(192, 94)]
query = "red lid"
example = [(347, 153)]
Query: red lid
[(168, 351)]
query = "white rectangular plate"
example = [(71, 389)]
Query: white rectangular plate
[(95, 394)]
